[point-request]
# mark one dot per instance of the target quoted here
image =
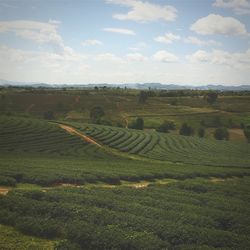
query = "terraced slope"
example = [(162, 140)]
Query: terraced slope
[(38, 136), (169, 147)]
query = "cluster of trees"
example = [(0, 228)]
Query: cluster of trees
[(188, 130), (220, 133)]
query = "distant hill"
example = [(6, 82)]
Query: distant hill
[(142, 86)]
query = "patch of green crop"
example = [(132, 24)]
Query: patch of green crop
[(11, 239), (195, 212)]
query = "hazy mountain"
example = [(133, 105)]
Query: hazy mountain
[(141, 86)]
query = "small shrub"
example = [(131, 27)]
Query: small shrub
[(186, 130), (166, 126), (138, 124), (7, 181), (221, 134)]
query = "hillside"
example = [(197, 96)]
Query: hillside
[(67, 183), (170, 147)]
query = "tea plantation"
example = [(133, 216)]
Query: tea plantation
[(78, 195)]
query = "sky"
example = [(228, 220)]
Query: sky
[(187, 42)]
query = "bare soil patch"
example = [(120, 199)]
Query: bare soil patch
[(4, 191)]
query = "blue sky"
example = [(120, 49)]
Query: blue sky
[(125, 41)]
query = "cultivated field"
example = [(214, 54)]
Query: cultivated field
[(67, 183)]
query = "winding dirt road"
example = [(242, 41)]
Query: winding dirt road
[(83, 136)]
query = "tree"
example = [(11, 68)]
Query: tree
[(221, 134), (96, 113), (201, 132), (166, 126), (186, 130), (211, 97), (49, 115), (138, 124), (247, 133), (143, 96)]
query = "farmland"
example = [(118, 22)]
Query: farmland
[(68, 183)]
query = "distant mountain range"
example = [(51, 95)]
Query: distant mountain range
[(142, 86)]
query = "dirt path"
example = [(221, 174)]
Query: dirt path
[(4, 191), (83, 136)]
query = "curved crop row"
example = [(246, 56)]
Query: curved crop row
[(169, 147), (37, 136)]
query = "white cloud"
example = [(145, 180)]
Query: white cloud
[(136, 57), (164, 56), (112, 58), (40, 32), (55, 22), (139, 46), (41, 66), (216, 24), (108, 57), (120, 31), (221, 57), (141, 11), (199, 42), (199, 56), (167, 38), (91, 42), (240, 7)]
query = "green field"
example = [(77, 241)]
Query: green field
[(107, 187), (121, 106)]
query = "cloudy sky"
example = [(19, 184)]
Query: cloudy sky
[(125, 41)]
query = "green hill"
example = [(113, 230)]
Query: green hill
[(170, 147), (38, 136), (90, 193)]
